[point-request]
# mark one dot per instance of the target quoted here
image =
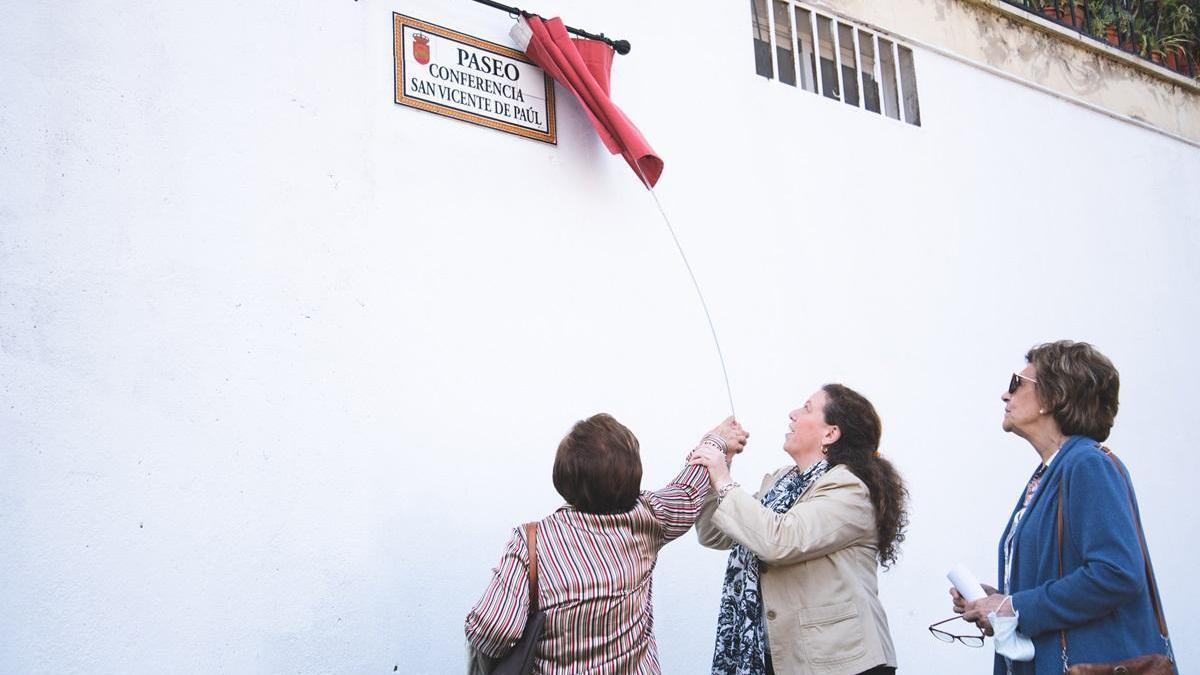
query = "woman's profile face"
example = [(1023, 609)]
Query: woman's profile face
[(808, 427), (1021, 406)]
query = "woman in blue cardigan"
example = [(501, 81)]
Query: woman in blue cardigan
[(1098, 608)]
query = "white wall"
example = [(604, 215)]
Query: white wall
[(283, 362)]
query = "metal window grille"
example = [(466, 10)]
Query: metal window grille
[(827, 55)]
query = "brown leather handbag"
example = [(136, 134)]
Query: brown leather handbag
[(1151, 664), (519, 660), (1148, 664)]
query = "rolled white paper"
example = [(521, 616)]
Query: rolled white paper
[(965, 582)]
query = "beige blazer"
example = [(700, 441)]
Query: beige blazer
[(818, 572)]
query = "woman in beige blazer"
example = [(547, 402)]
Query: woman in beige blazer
[(801, 587)]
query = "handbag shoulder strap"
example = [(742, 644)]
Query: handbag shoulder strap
[(1152, 589), (1137, 519), (1062, 634), (531, 530)]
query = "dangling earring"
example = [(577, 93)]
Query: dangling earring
[(824, 449)]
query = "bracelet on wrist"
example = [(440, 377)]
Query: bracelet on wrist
[(726, 489), (716, 441), (705, 444)]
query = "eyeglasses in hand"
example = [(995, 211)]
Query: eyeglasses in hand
[(968, 640)]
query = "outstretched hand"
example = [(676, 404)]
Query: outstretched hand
[(734, 435), (715, 461)]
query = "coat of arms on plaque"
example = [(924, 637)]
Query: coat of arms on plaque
[(420, 49)]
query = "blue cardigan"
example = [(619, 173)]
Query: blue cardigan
[(1101, 601)]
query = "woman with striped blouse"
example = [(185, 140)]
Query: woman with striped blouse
[(596, 555)]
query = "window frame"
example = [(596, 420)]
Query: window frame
[(892, 76)]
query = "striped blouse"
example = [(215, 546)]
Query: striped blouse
[(594, 583)]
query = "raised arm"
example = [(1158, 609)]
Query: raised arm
[(716, 465), (677, 505), (709, 534), (838, 514)]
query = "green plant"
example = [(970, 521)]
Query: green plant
[(1136, 35), (1183, 19), (1155, 29), (1177, 43), (1176, 26), (1193, 54), (1127, 17), (1102, 16), (1170, 23), (1149, 44)]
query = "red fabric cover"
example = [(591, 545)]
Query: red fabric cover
[(583, 67)]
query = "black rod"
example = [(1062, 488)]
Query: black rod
[(620, 46)]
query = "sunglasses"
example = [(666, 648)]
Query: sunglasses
[(968, 640), (1015, 383)]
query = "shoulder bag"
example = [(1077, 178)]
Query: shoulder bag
[(519, 660)]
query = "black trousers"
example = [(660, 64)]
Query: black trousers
[(877, 670)]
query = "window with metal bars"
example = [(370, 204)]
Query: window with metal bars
[(830, 56)]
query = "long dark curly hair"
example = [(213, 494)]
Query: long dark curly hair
[(857, 449)]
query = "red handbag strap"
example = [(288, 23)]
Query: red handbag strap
[(531, 530), (1137, 519)]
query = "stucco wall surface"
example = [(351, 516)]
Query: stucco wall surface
[(284, 362)]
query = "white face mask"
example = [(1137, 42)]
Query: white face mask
[(1009, 642)]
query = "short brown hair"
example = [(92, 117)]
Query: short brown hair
[(1078, 385), (598, 468)]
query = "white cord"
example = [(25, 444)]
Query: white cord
[(695, 284)]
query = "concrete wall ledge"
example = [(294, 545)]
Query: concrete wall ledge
[(1030, 49), (1086, 42)]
